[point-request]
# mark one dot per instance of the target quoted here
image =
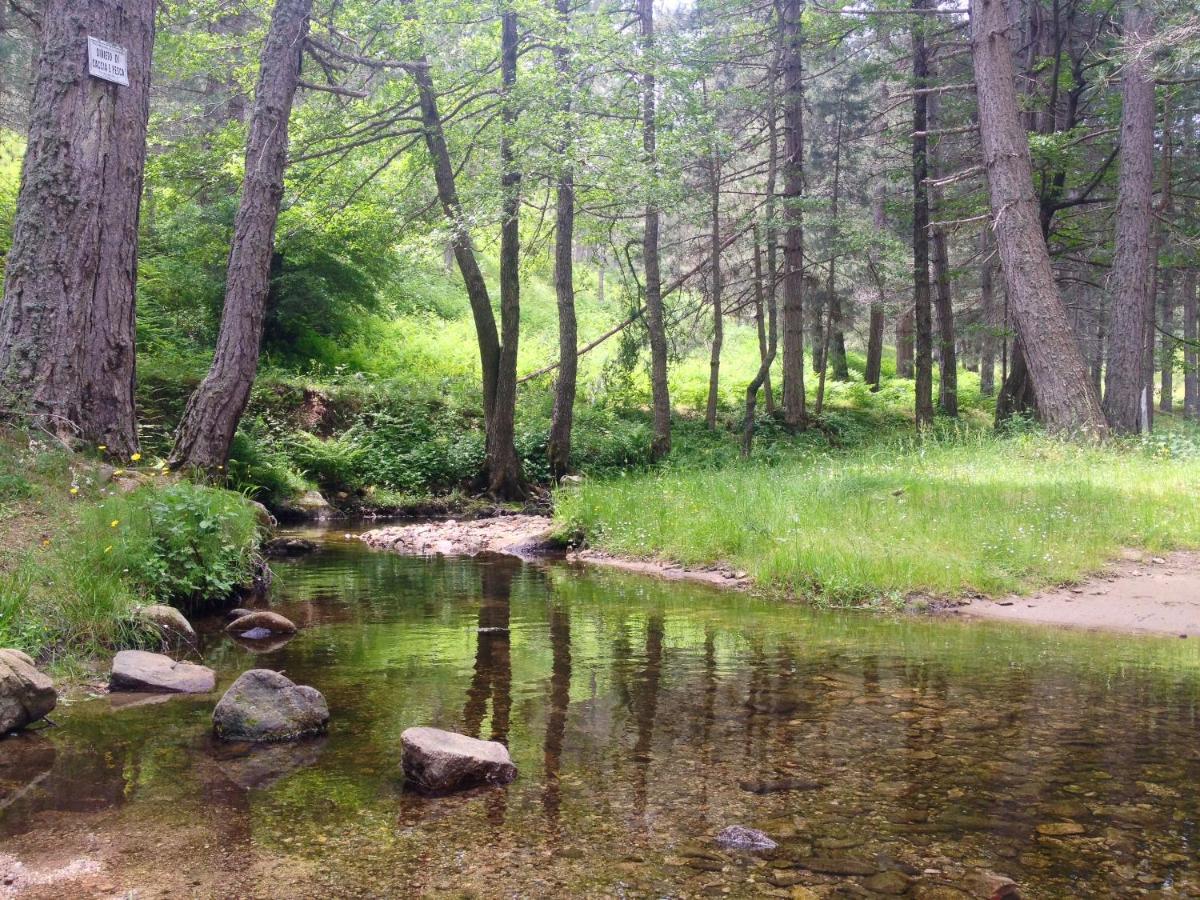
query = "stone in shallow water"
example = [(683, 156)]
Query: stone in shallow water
[(168, 622), (892, 883), (738, 837), (265, 620), (837, 865), (777, 785), (26, 695), (437, 761), (138, 670), (265, 706), (257, 634), (1060, 829)]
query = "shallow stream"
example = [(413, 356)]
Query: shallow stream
[(882, 754)]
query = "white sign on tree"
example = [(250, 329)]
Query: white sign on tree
[(108, 61)]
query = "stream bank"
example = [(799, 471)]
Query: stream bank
[(1137, 594)]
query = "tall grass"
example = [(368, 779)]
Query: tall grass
[(973, 513)]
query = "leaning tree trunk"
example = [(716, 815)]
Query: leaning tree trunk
[(558, 446), (1065, 396), (922, 307), (793, 190), (67, 321), (505, 480), (660, 443), (216, 407), (1126, 402)]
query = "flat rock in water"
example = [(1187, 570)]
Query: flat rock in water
[(137, 670), (738, 837), (1060, 829), (265, 706), (169, 622), (265, 620), (518, 535), (26, 695), (777, 785), (837, 865), (437, 761)]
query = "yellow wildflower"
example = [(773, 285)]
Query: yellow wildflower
[(74, 490), (114, 523), (135, 456), (45, 542), (118, 471), (102, 447)]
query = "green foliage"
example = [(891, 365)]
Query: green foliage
[(70, 578), (184, 544)]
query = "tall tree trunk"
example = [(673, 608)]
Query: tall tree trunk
[(558, 446), (874, 364), (1050, 350), (905, 343), (1164, 279), (505, 480), (216, 406), (1126, 402), (714, 362), (660, 444), (768, 356), (947, 358), (1191, 334), (793, 190), (833, 351), (922, 307), (987, 340), (67, 320)]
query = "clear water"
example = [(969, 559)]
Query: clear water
[(643, 717)]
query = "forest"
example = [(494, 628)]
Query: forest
[(334, 331)]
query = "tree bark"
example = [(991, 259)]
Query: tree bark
[(660, 444), (905, 344), (1065, 397), (768, 356), (922, 307), (987, 340), (1126, 402), (1191, 334), (715, 285), (215, 408), (67, 321), (793, 190), (1164, 276), (505, 480), (947, 357), (874, 364), (558, 446)]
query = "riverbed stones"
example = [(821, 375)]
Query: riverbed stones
[(1060, 829), (437, 761), (138, 670), (891, 883), (265, 706), (26, 695), (169, 622), (264, 622), (738, 837)]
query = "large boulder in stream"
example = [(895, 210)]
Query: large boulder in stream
[(137, 670), (26, 695), (437, 761), (265, 706)]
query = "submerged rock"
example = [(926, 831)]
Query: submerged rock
[(289, 546), (265, 706), (168, 622), (263, 621), (256, 766), (777, 785), (738, 837), (26, 695), (137, 670), (890, 883), (437, 761), (838, 865)]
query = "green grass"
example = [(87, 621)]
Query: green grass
[(78, 552), (966, 513)]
